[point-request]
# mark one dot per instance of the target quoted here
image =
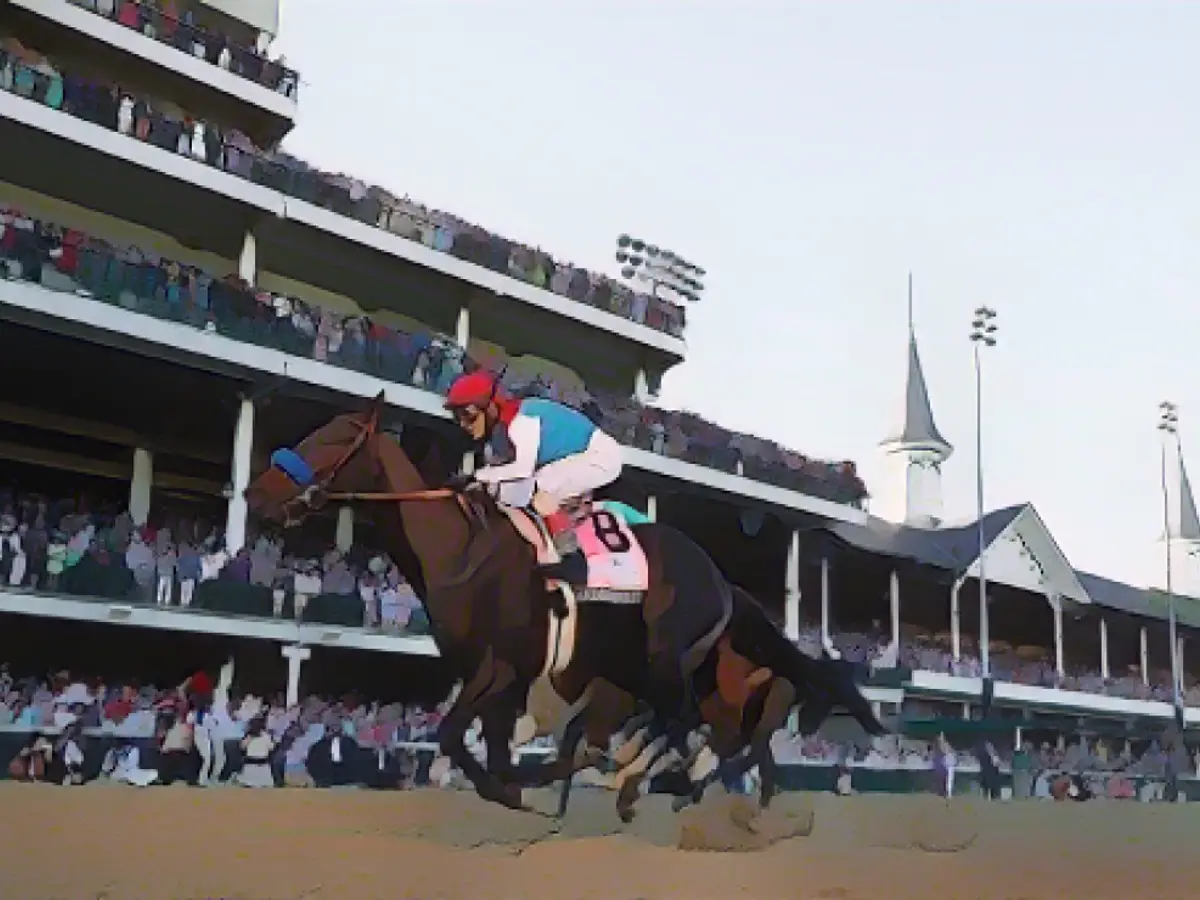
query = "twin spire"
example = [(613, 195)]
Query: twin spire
[(1183, 523), (917, 430)]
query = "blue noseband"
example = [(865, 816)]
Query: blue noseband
[(293, 465)]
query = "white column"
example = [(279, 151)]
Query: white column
[(1019, 737), (1059, 663), (895, 606), (1104, 670), (1145, 657), (296, 656), (791, 587), (825, 599), (641, 387), (1181, 642), (652, 508), (462, 329), (243, 445), (141, 485), (468, 463), (344, 536), (955, 622), (248, 259)]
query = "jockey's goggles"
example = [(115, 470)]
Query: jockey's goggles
[(465, 415)]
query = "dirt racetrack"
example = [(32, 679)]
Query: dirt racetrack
[(163, 843)]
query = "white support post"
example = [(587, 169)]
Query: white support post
[(248, 259), (955, 622), (791, 587), (825, 600), (344, 536), (141, 486), (895, 609), (243, 447), (652, 508), (1182, 642), (1059, 662), (1145, 657), (641, 387), (468, 463), (1104, 669), (296, 656), (462, 329)]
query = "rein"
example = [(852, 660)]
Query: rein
[(403, 497)]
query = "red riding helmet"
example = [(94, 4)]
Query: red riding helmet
[(476, 389)]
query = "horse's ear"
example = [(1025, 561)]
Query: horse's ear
[(375, 408)]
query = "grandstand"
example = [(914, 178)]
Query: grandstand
[(179, 296)]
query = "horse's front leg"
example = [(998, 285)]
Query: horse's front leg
[(568, 759), (473, 700)]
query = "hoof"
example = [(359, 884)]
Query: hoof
[(591, 757), (627, 797), (508, 795)]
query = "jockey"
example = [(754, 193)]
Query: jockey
[(540, 453)]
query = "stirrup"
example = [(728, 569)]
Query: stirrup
[(571, 568)]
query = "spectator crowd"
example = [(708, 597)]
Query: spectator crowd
[(1118, 769), (202, 732), (65, 547), (77, 729), (1027, 665), (164, 21), (139, 280)]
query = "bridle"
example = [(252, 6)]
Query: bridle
[(368, 430)]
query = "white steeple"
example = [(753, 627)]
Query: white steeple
[(915, 449), (1182, 522)]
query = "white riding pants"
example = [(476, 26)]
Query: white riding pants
[(597, 466)]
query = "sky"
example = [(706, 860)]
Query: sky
[(1039, 158)]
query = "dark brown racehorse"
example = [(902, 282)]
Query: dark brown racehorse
[(491, 617), (488, 605)]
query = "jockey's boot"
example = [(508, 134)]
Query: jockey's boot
[(571, 567)]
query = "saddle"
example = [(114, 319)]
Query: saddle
[(616, 565)]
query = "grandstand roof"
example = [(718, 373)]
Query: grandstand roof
[(1146, 602), (952, 549), (955, 549)]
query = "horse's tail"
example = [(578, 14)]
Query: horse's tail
[(821, 683)]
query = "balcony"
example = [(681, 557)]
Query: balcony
[(154, 162), (185, 62)]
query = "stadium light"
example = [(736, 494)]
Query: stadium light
[(1168, 428), (983, 334), (648, 263)]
